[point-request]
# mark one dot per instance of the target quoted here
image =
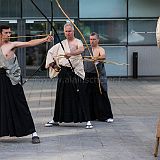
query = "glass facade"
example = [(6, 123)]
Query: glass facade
[(102, 8), (35, 55), (143, 8), (116, 54), (120, 24), (141, 32), (111, 32), (29, 10), (8, 11)]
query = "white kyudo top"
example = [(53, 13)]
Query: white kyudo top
[(56, 53)]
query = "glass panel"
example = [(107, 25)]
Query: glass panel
[(7, 10), (117, 54), (69, 6), (29, 10), (143, 8), (142, 32), (112, 32), (58, 25), (102, 8), (35, 56)]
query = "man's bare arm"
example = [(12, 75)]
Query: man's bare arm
[(32, 42), (75, 52), (101, 55)]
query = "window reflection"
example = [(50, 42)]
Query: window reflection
[(7, 9), (111, 32), (36, 54), (117, 54), (102, 8), (143, 8), (141, 32), (70, 7)]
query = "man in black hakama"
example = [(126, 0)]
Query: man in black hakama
[(70, 105), (100, 106), (15, 117)]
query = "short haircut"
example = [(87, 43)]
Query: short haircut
[(95, 34), (68, 24), (3, 27)]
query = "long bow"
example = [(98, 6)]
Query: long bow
[(58, 4), (52, 28)]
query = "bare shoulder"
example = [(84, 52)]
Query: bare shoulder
[(101, 50), (78, 40), (8, 50), (79, 43), (8, 45)]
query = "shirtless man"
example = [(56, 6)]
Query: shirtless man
[(15, 117), (100, 106), (69, 105)]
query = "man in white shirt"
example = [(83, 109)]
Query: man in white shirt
[(69, 105)]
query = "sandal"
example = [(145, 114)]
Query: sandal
[(89, 126), (35, 140), (50, 124)]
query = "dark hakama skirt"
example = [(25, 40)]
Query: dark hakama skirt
[(70, 105), (100, 106), (15, 117)]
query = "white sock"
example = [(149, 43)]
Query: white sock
[(89, 123), (34, 134)]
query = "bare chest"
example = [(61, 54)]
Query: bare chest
[(96, 52), (8, 51), (73, 45)]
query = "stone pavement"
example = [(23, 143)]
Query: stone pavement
[(136, 107)]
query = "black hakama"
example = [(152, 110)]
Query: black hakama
[(100, 106), (70, 105), (15, 117)]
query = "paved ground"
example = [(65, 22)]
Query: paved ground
[(136, 107)]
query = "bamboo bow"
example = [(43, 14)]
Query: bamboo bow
[(58, 4)]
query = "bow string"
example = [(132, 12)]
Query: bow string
[(52, 28), (58, 4)]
